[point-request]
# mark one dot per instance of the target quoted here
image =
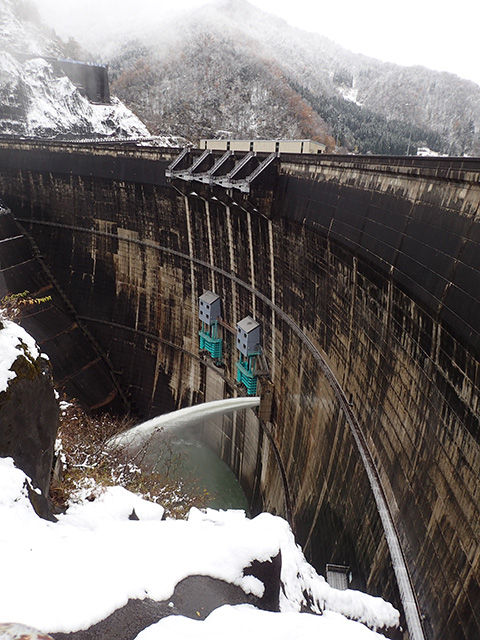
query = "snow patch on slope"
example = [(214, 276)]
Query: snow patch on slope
[(350, 94)]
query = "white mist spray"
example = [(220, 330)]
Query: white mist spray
[(181, 418)]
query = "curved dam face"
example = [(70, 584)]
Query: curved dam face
[(364, 274)]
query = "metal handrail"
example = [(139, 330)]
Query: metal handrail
[(263, 165)]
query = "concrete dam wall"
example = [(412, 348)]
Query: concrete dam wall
[(363, 273)]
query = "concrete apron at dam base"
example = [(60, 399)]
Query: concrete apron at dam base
[(364, 276)]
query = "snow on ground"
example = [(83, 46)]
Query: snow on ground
[(69, 575), (14, 342), (244, 621)]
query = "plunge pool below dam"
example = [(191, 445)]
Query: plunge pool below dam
[(171, 444)]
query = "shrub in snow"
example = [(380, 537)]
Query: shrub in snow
[(92, 463)]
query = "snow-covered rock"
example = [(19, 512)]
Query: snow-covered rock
[(15, 342), (107, 559), (28, 409)]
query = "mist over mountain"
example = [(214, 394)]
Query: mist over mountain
[(230, 67)]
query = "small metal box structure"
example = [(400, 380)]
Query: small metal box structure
[(209, 307), (248, 344), (209, 311), (338, 576), (248, 336)]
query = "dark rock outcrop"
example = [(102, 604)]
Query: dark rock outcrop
[(194, 597), (29, 421), (269, 574)]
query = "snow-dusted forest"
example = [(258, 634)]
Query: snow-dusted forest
[(232, 67)]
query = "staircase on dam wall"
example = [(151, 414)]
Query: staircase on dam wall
[(364, 275), (80, 368)]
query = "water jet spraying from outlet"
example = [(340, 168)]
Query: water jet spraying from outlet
[(181, 418)]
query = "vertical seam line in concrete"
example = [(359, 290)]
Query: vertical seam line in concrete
[(272, 292), (210, 243), (252, 264), (190, 252), (233, 266)]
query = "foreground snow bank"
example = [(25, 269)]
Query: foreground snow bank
[(69, 575), (297, 575), (244, 621)]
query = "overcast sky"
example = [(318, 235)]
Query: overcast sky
[(435, 33)]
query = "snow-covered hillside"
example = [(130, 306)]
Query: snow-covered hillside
[(22, 32), (229, 66), (35, 99)]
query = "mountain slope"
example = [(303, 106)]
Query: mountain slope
[(35, 99), (213, 86), (232, 67)]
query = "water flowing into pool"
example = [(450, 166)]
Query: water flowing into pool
[(194, 458)]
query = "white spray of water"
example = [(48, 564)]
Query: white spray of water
[(183, 417)]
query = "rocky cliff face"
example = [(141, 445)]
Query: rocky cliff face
[(38, 100), (35, 101), (28, 408)]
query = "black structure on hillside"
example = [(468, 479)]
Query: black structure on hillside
[(89, 78)]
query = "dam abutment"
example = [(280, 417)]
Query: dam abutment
[(364, 276)]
